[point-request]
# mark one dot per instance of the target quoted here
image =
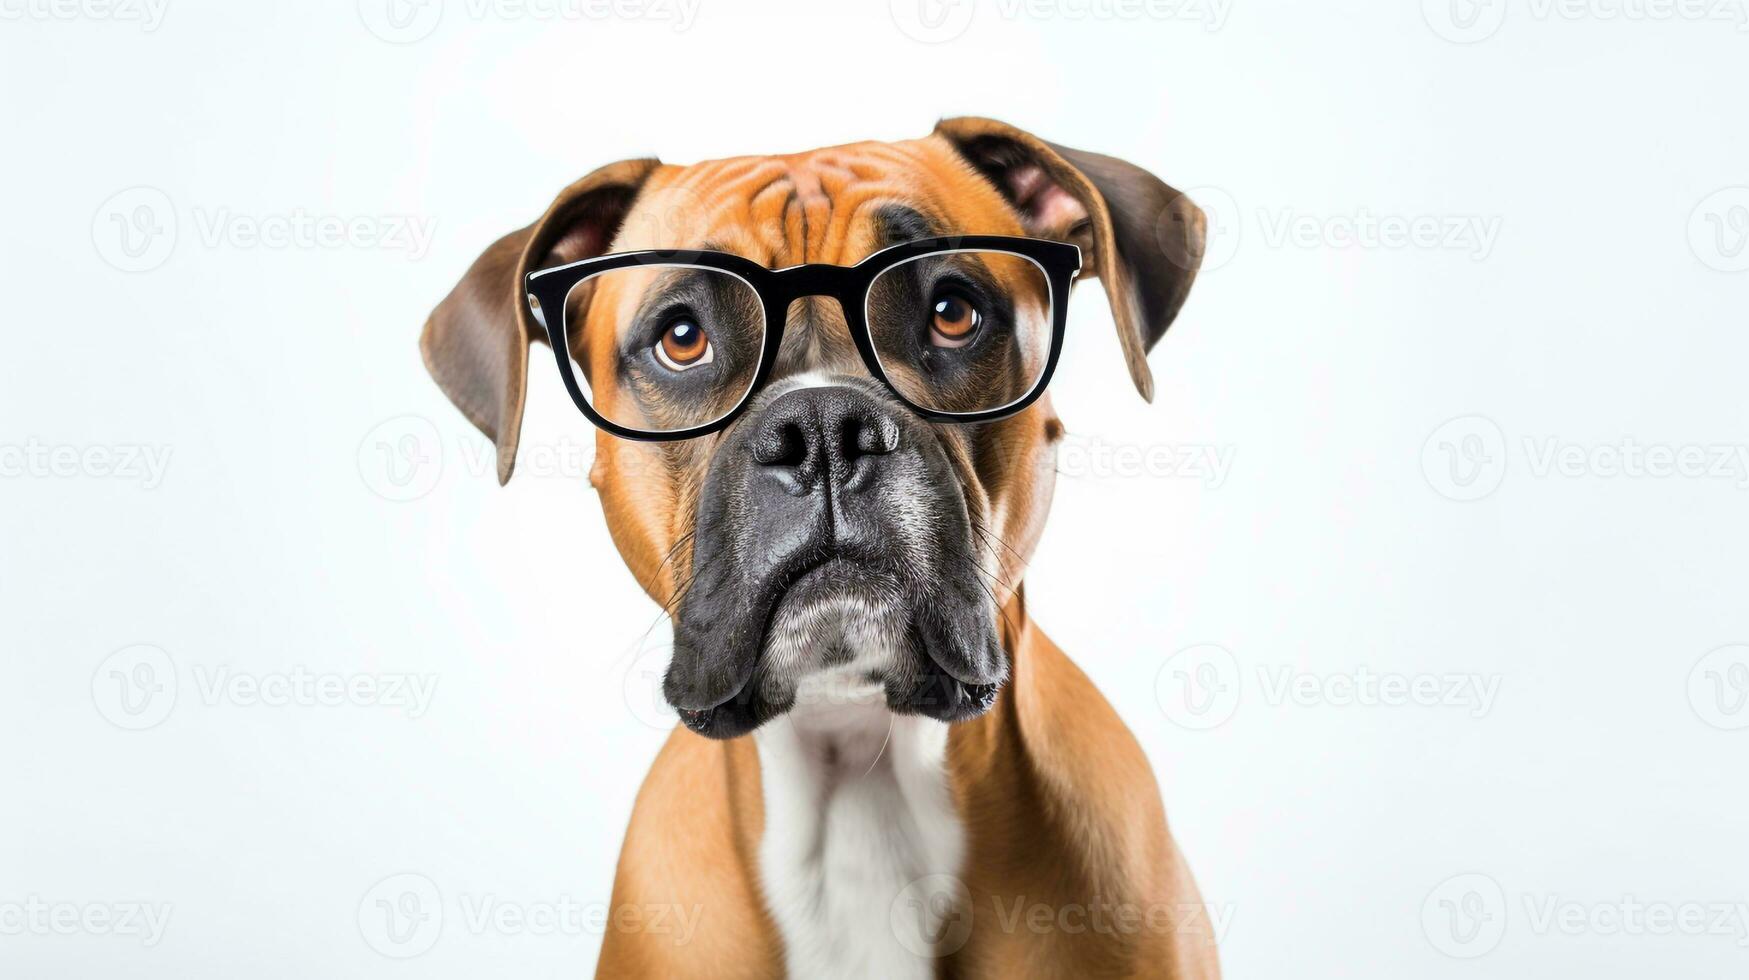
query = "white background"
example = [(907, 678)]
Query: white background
[(1602, 317)]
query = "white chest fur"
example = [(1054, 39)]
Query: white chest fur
[(858, 818)]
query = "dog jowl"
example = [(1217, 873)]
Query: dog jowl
[(828, 455)]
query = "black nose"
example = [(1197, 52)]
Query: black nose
[(827, 435)]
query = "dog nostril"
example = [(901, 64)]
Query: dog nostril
[(869, 435), (781, 445)]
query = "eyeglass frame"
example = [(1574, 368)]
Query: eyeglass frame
[(548, 289)]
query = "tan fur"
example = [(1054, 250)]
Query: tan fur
[(1059, 804), (1060, 810), (781, 211)]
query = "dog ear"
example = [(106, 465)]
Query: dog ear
[(476, 342), (1143, 239)]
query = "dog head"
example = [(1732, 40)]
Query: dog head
[(828, 531)]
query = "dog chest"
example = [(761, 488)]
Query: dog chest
[(861, 841)]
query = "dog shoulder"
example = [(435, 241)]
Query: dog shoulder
[(1083, 754), (682, 894), (1094, 830)]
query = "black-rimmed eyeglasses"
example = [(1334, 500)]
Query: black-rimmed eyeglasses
[(673, 344)]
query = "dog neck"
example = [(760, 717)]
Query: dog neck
[(861, 831), (863, 847)]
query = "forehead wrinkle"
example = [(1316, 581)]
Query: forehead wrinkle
[(826, 183), (733, 172), (859, 232), (812, 204), (867, 161), (734, 203)]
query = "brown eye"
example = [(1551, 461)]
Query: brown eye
[(953, 321), (683, 345)]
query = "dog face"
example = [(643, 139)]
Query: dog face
[(828, 534)]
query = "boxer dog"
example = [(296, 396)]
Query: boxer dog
[(884, 767)]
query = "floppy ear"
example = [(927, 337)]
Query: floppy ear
[(1143, 239), (476, 342)]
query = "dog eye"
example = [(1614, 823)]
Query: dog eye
[(683, 345), (953, 321)]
